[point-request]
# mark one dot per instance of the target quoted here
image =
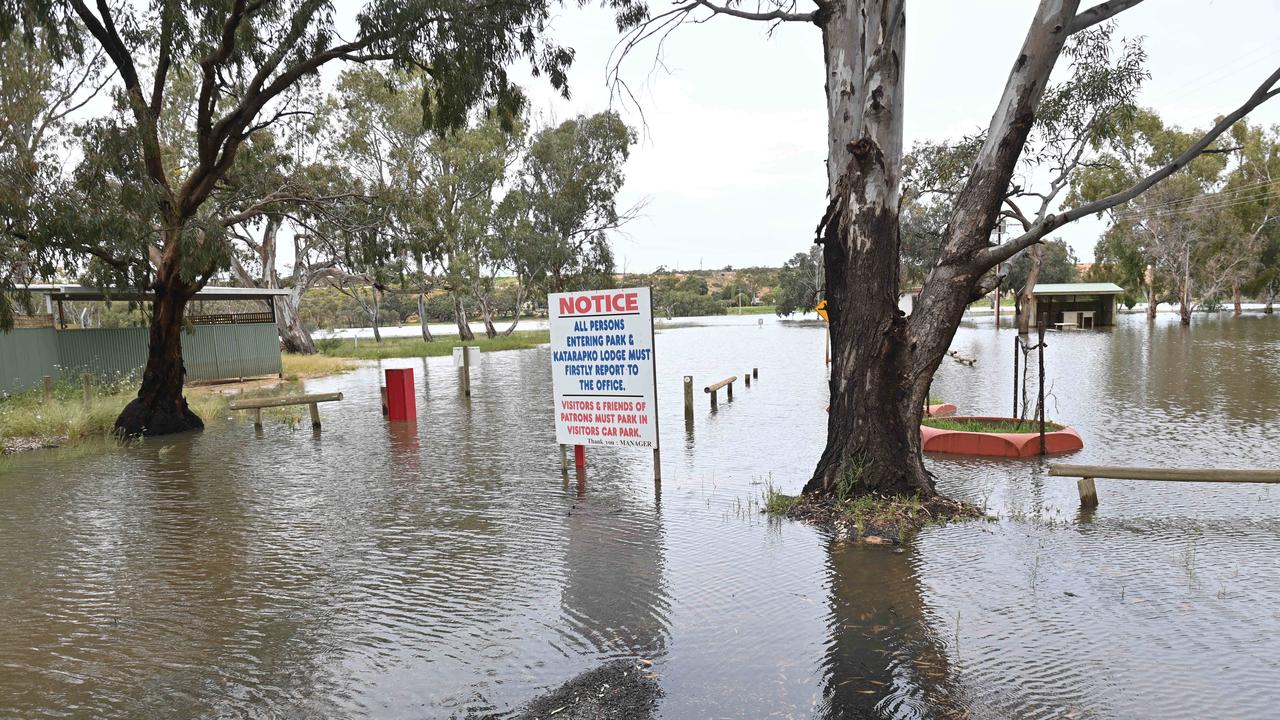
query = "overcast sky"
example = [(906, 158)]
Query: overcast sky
[(731, 155)]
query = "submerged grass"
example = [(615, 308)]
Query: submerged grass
[(368, 349), (296, 367), (877, 518), (868, 516), (27, 421), (775, 502), (989, 426)]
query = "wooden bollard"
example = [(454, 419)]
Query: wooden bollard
[(688, 396), (564, 458), (87, 380), (729, 387), (1088, 493), (48, 388), (383, 391), (755, 373), (746, 378), (315, 416)]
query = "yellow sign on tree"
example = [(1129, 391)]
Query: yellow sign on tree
[(822, 310)]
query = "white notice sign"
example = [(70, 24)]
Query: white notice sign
[(602, 371)]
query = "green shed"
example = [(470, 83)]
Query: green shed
[(225, 346)]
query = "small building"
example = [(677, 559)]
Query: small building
[(223, 346), (1074, 305)]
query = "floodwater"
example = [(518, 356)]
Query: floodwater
[(447, 569)]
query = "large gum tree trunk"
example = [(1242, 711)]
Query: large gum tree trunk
[(460, 318), (293, 336), (873, 429), (519, 307), (486, 314), (160, 408), (422, 318), (883, 363)]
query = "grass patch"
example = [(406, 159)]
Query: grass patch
[(775, 502), (989, 426), (754, 310), (296, 367), (27, 421), (416, 347), (878, 518)]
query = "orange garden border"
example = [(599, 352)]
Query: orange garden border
[(992, 444), (940, 410)]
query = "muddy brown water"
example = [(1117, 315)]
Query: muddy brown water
[(448, 569)]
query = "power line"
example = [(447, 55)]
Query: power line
[(1249, 188), (1200, 208)]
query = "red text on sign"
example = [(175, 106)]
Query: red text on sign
[(602, 303)]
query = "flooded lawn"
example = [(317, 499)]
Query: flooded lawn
[(448, 569)]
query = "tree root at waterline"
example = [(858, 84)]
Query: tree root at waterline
[(875, 518)]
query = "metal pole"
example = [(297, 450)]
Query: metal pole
[(1016, 351), (579, 457), (466, 371), (1043, 321)]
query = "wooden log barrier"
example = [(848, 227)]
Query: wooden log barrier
[(1089, 473), (257, 405), (727, 384)]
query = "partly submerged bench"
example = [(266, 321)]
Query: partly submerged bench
[(1089, 492), (257, 404)]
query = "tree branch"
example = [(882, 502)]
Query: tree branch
[(1000, 253), (1099, 13), (775, 14)]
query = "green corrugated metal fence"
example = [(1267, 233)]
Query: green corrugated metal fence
[(26, 356), (211, 352)]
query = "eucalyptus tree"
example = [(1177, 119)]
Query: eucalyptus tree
[(883, 363), (40, 90), (1176, 229), (1253, 189), (439, 185), (799, 284), (469, 166), (568, 186), (247, 59), (310, 204)]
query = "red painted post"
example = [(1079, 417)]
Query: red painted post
[(401, 404), (579, 457)]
